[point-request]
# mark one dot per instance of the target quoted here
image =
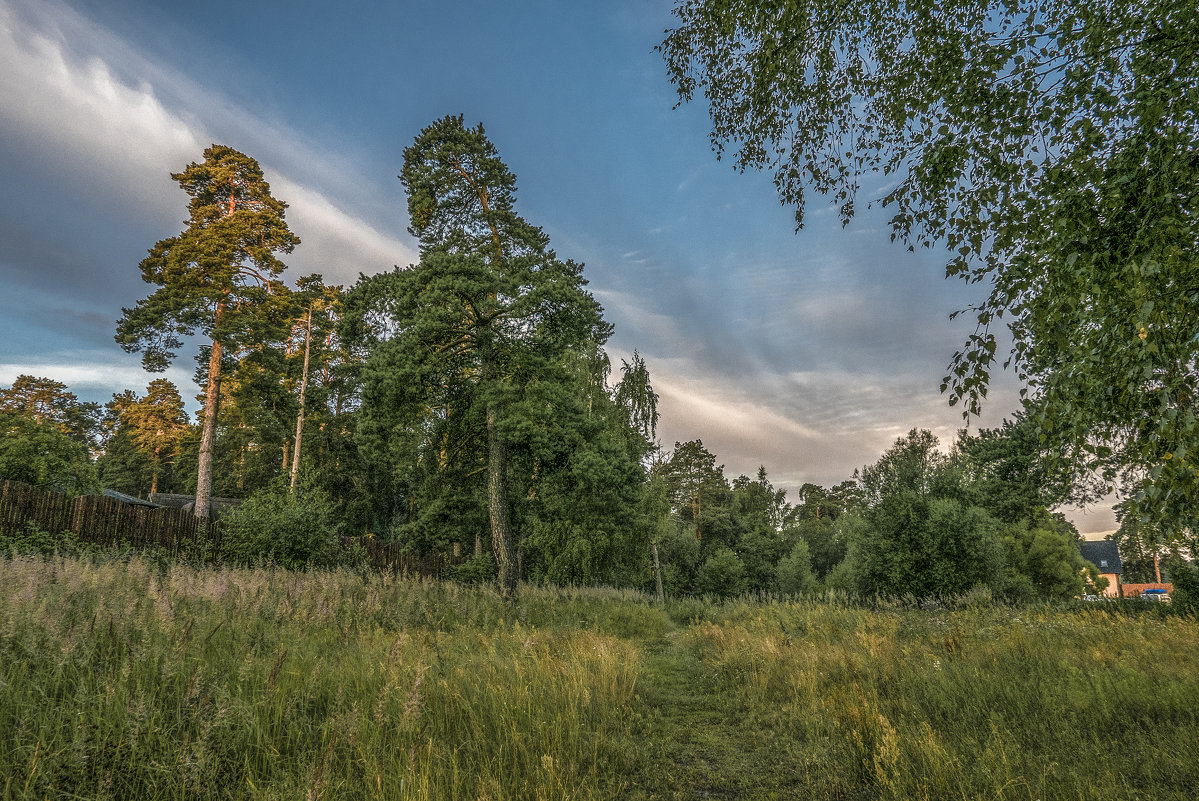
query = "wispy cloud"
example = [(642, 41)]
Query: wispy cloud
[(117, 123), (95, 375)]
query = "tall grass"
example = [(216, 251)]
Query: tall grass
[(122, 679), (992, 702), (119, 681)]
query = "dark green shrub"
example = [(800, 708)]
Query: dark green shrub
[(723, 575), (294, 530), (794, 572), (32, 539), (479, 569)]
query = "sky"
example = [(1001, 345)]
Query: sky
[(807, 352)]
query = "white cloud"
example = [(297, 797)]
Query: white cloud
[(63, 100), (97, 375), (333, 242)]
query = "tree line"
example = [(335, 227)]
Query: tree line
[(466, 405)]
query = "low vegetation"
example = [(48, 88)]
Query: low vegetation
[(125, 679)]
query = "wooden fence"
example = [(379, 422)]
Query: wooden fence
[(107, 521), (391, 557), (95, 518)]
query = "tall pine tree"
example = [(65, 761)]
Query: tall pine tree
[(488, 312), (219, 277)]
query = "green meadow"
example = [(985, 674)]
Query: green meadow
[(130, 680)]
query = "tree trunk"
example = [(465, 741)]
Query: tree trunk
[(497, 502), (658, 576), (295, 456), (154, 473), (208, 432)]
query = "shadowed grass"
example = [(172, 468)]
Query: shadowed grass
[(119, 682)]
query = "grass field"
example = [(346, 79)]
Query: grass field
[(119, 680)]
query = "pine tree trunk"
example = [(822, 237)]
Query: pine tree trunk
[(208, 432), (658, 576), (154, 473), (497, 502), (295, 456)]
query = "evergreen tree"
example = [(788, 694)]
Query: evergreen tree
[(47, 401), (156, 423), (458, 342), (218, 277), (699, 493)]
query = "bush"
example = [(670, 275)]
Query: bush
[(723, 575), (479, 569), (34, 540), (1186, 585), (294, 530), (794, 572)]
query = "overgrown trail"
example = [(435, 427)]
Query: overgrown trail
[(697, 740)]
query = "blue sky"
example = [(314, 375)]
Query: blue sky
[(808, 353)]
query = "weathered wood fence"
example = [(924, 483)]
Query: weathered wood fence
[(391, 557), (95, 518), (107, 521)]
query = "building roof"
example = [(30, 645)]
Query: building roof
[(1103, 554), (123, 498)]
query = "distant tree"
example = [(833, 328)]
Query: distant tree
[(635, 395), (1010, 474), (758, 504), (926, 546), (123, 466), (913, 464), (1043, 560), (47, 401), (155, 423), (1146, 546), (722, 574), (313, 343), (256, 416), (921, 537), (1050, 146), (794, 572), (825, 540), (699, 493), (218, 277), (41, 453), (760, 513)]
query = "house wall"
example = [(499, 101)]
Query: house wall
[(1113, 585), (1135, 590)]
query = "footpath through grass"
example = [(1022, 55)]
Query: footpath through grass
[(120, 680), (697, 739)]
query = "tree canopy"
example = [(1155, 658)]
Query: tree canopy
[(1050, 145), (49, 402)]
